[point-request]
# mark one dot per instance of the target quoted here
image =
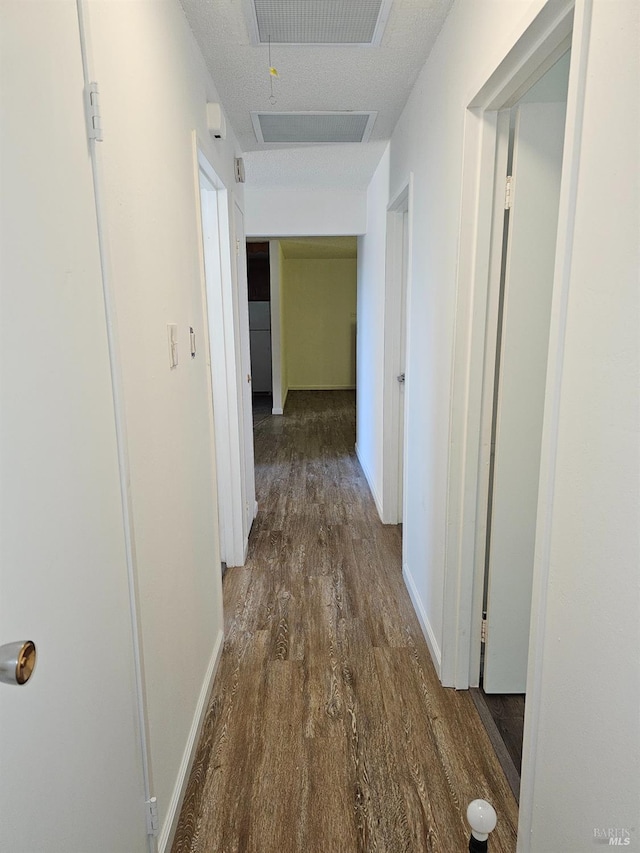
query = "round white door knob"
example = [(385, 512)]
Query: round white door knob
[(482, 819)]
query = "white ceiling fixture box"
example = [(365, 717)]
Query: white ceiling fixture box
[(313, 128), (216, 121), (348, 22)]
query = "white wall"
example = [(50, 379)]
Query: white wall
[(154, 88), (304, 212), (585, 772), (370, 339), (585, 757)]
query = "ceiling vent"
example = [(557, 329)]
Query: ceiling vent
[(317, 21), (313, 128)]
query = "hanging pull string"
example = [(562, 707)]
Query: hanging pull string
[(272, 73)]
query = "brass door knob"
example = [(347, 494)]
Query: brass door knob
[(17, 662)]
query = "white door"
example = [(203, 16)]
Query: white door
[(537, 165), (70, 756), (403, 359), (395, 349), (228, 371), (217, 343), (246, 408)]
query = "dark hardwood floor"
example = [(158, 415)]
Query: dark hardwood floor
[(507, 711), (328, 730), (262, 405), (503, 718)]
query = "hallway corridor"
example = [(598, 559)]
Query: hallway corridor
[(328, 730)]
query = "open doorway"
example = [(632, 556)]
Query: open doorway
[(302, 301), (395, 381), (259, 293), (529, 156), (223, 333)]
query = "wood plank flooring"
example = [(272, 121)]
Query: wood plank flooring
[(328, 730), (507, 711), (504, 724)]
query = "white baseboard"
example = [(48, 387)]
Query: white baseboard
[(165, 839), (370, 481), (255, 508), (427, 630), (277, 411)]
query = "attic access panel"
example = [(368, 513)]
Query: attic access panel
[(354, 22), (312, 128)]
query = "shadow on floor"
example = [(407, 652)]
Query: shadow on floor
[(503, 718), (262, 405)]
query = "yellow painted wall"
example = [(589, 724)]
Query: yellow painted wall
[(319, 328)]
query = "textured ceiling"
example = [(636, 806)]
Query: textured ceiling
[(314, 77)]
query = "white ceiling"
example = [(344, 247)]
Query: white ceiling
[(314, 78)]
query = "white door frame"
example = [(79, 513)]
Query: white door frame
[(275, 283), (243, 356), (480, 246), (396, 277), (547, 35), (221, 334), (518, 399)]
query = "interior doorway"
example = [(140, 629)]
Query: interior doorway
[(259, 295), (396, 381), (529, 155), (243, 357), (222, 339), (305, 307)]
